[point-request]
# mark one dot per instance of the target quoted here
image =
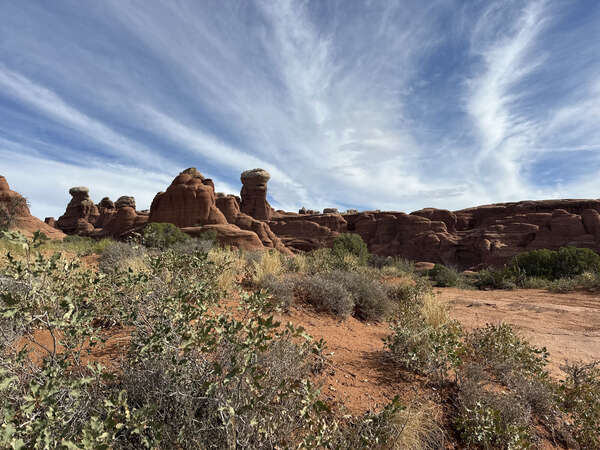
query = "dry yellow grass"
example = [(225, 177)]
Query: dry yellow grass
[(434, 312), (232, 264), (417, 428), (270, 263)]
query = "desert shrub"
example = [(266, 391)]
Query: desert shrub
[(162, 235), (487, 418), (353, 244), (371, 301), (554, 264), (495, 279), (424, 349), (121, 256), (325, 260), (443, 276), (190, 377), (326, 295), (581, 400), (534, 283), (396, 427), (281, 288), (297, 263), (504, 353), (10, 211)]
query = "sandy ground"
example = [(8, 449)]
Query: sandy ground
[(568, 325)]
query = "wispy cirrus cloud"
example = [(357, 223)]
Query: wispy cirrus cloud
[(391, 105)]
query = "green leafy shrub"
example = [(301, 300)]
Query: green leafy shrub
[(581, 400), (189, 377), (443, 276), (353, 244), (424, 349), (489, 419), (495, 279), (326, 295), (504, 353), (554, 264), (162, 235)]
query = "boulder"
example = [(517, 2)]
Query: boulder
[(228, 234)]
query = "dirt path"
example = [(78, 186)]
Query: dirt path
[(568, 325)]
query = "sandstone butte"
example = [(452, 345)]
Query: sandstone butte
[(471, 238)]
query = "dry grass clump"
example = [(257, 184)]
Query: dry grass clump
[(435, 313), (268, 263), (122, 256), (232, 264)]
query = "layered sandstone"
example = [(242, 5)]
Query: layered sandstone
[(13, 203), (254, 194), (81, 213)]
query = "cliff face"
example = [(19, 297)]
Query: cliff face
[(470, 238)]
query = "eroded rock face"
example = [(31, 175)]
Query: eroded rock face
[(124, 219), (81, 214), (230, 207), (188, 202), (13, 203), (254, 194)]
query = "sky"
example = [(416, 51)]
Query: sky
[(392, 105)]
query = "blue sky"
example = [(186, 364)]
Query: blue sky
[(395, 105)]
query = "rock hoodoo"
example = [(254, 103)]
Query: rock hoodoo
[(254, 194), (470, 238), (189, 201), (81, 213)]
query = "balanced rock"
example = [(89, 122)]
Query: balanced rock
[(254, 194), (188, 202), (81, 213)]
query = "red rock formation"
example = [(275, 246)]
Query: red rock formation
[(124, 220), (81, 213), (254, 194), (106, 209), (228, 234), (188, 202), (24, 222), (229, 206)]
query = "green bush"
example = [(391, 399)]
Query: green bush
[(554, 264), (189, 377), (581, 401), (489, 419), (162, 235), (495, 279), (443, 276), (326, 295), (371, 301), (351, 243)]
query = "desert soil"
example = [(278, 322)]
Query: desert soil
[(359, 377), (568, 325)]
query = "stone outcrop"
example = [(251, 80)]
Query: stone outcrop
[(254, 194), (15, 205), (188, 202), (106, 209), (229, 205), (124, 219), (81, 213)]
